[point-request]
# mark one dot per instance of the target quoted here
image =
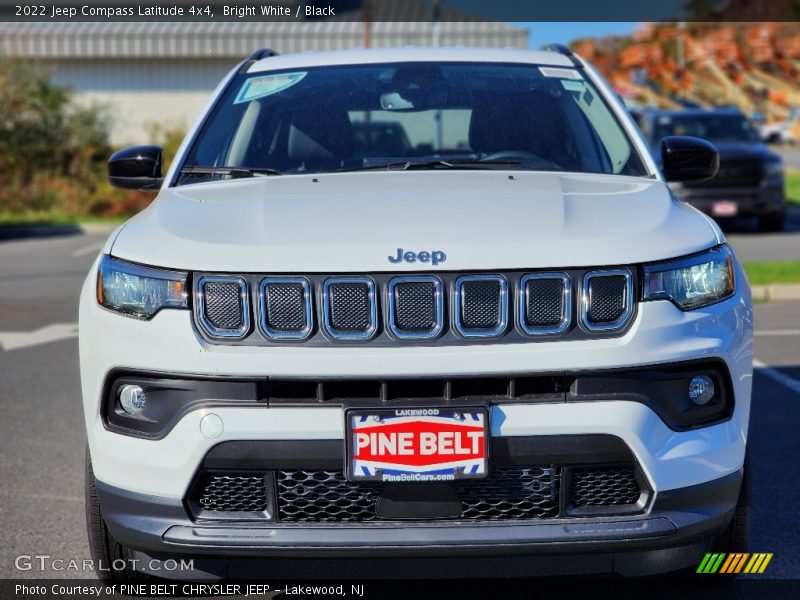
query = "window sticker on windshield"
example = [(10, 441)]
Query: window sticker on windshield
[(560, 73), (572, 86), (258, 87)]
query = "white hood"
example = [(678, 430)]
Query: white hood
[(352, 222)]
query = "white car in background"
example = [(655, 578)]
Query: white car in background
[(419, 308)]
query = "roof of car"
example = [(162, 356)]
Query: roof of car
[(362, 56)]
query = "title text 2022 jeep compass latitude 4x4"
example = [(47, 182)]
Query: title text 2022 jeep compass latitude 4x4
[(417, 309)]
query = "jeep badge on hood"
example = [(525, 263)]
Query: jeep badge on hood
[(434, 257)]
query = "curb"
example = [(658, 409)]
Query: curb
[(776, 292)]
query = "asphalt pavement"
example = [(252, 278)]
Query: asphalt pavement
[(42, 435), (790, 154)]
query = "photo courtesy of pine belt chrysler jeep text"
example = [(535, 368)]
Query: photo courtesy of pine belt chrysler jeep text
[(402, 311)]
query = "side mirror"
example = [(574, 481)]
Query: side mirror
[(136, 168), (686, 158)]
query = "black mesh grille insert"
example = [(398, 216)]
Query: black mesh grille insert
[(512, 493), (285, 306), (545, 302), (608, 296), (604, 486), (350, 310), (415, 306), (481, 304), (223, 304), (233, 493), (324, 496)]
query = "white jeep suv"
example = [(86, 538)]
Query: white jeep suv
[(416, 308)]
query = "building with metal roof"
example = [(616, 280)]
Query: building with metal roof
[(162, 73)]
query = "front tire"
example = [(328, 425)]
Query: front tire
[(108, 555), (736, 538)]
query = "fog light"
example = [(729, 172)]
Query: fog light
[(701, 389), (132, 400)]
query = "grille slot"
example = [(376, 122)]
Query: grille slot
[(376, 392), (512, 493), (481, 305), (416, 307), (350, 307), (545, 303), (223, 306), (233, 493), (607, 486), (607, 299), (286, 307), (324, 496)]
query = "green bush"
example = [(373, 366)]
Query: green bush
[(53, 152)]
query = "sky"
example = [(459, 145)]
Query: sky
[(550, 33)]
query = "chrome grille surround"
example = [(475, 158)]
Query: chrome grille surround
[(278, 334), (438, 299), (327, 308), (367, 306), (460, 305), (586, 300), (566, 304), (244, 306)]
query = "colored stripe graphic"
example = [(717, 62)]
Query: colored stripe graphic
[(727, 564), (758, 563), (733, 563), (711, 563)]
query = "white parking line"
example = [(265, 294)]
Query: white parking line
[(778, 332), (777, 376), (14, 340), (95, 247)]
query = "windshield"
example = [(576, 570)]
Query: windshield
[(714, 128), (411, 115)]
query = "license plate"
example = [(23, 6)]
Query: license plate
[(725, 209), (408, 445)]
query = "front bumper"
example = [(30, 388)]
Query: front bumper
[(674, 534), (142, 482)]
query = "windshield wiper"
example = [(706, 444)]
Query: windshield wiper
[(408, 165), (232, 172)]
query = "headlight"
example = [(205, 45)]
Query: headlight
[(773, 168), (692, 282), (139, 291)]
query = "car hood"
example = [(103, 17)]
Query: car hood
[(354, 221)]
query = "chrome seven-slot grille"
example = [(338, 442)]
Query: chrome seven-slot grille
[(414, 307)]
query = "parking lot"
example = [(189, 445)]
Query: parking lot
[(42, 434)]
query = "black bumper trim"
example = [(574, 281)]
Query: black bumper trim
[(672, 535), (257, 455), (426, 540)]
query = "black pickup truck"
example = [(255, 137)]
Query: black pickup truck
[(750, 177)]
